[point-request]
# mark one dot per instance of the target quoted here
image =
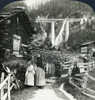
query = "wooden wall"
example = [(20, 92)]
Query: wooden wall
[(10, 26)]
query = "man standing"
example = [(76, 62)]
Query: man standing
[(75, 70), (75, 74)]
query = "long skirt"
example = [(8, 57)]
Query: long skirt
[(40, 77), (29, 79)]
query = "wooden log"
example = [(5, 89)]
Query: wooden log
[(4, 34), (67, 62), (3, 83), (5, 44), (89, 95), (88, 89), (92, 78), (81, 74), (74, 85), (80, 80), (6, 39)]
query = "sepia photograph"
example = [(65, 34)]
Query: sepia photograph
[(47, 49)]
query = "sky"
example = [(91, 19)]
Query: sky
[(34, 3), (5, 2)]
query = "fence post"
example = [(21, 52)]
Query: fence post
[(2, 79), (9, 96), (85, 80)]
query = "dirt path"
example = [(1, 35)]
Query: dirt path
[(34, 93)]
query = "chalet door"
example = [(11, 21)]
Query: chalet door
[(16, 44)]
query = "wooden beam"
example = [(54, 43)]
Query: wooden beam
[(3, 83), (92, 78), (52, 33), (90, 90), (50, 20), (89, 95)]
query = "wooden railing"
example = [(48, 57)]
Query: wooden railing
[(6, 82), (84, 67), (84, 89)]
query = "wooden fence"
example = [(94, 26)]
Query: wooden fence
[(5, 82), (85, 68), (84, 89)]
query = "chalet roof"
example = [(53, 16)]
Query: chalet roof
[(10, 12), (16, 11), (87, 43)]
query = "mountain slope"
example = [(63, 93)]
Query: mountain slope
[(59, 9)]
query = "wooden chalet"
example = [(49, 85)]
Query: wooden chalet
[(88, 48), (14, 23)]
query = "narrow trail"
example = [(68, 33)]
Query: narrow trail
[(34, 93)]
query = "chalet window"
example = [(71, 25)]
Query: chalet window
[(16, 44)]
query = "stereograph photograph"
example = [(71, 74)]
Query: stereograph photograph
[(47, 49)]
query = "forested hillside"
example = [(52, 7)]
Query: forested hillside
[(79, 33), (69, 9)]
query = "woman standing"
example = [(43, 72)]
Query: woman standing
[(40, 73), (29, 75)]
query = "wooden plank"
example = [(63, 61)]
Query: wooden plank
[(6, 94), (67, 62), (9, 96), (3, 83), (2, 79), (12, 86), (60, 19), (89, 89), (66, 68), (74, 85), (89, 95), (4, 97), (91, 77), (82, 64), (81, 80)]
